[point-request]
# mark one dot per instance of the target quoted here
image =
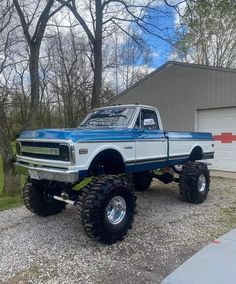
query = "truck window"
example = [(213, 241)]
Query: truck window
[(109, 117), (137, 124), (147, 114)]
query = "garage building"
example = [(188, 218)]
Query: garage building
[(192, 97)]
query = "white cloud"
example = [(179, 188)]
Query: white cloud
[(156, 54)]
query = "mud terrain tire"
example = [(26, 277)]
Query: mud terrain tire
[(108, 209), (194, 182), (35, 198)]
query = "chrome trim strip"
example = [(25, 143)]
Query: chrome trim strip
[(123, 141), (160, 159), (104, 141), (188, 139), (65, 141), (175, 157), (206, 153), (69, 176), (151, 160), (141, 140), (152, 140), (36, 161)]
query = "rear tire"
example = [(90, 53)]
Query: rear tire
[(194, 182), (35, 198), (108, 209), (142, 181)]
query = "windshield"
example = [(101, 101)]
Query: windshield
[(109, 117)]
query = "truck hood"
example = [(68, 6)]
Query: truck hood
[(80, 134)]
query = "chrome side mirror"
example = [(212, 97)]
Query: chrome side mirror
[(148, 122)]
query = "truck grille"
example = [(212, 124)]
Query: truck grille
[(44, 150)]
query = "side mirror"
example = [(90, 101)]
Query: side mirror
[(149, 122)]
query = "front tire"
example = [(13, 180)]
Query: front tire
[(194, 182), (36, 200), (108, 209)]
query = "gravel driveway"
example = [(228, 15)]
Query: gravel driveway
[(166, 232)]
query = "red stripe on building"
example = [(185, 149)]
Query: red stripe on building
[(225, 137)]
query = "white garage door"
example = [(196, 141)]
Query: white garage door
[(222, 123)]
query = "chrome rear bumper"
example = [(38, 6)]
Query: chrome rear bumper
[(47, 173)]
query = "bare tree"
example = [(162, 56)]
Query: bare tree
[(33, 21), (126, 60), (11, 178), (99, 18), (71, 77), (34, 26), (135, 59)]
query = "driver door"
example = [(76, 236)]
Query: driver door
[(151, 144)]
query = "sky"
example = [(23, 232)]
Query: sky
[(161, 50), (164, 18)]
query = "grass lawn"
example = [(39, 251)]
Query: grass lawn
[(7, 202)]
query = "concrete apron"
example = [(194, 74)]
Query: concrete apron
[(214, 264), (223, 174)]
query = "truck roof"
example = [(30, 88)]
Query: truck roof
[(127, 105)]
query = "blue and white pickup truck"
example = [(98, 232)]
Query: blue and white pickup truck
[(98, 166)]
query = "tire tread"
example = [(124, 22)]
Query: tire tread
[(189, 180), (93, 198), (36, 203)]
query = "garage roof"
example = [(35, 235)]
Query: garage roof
[(169, 64)]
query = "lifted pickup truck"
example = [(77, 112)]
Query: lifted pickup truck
[(98, 166)]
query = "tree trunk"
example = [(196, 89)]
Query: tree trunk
[(97, 81), (34, 90), (11, 183), (97, 46)]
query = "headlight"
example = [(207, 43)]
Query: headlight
[(64, 152)]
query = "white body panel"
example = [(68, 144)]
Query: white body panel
[(138, 151), (185, 147), (151, 149)]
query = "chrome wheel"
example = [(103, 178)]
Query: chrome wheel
[(116, 210), (201, 183)]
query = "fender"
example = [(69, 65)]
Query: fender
[(101, 149)]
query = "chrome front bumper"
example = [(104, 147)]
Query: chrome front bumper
[(47, 173)]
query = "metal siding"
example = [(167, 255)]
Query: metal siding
[(178, 90)]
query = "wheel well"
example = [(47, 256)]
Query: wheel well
[(196, 154), (108, 161)]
